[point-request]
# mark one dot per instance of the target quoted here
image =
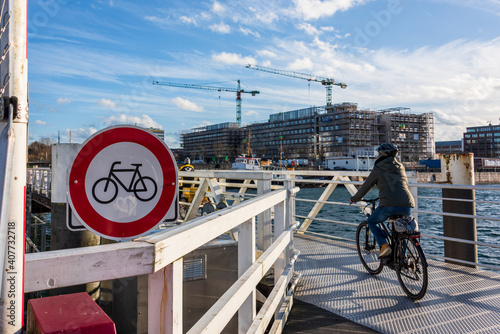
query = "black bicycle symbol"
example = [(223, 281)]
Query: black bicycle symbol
[(105, 189)]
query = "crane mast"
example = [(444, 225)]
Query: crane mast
[(327, 82), (238, 92)]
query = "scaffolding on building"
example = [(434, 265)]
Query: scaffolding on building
[(317, 133)]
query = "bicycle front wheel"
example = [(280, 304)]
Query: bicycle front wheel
[(412, 269), (367, 249)]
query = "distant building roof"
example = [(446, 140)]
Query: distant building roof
[(448, 143)]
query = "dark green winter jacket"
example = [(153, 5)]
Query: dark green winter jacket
[(389, 176)]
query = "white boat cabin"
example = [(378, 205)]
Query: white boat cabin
[(246, 163)]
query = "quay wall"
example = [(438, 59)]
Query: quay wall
[(480, 177)]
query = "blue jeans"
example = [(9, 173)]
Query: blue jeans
[(380, 215)]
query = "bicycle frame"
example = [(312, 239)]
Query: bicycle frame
[(394, 239), (112, 172)]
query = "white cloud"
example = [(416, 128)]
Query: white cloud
[(39, 122), (247, 31), (171, 141), (188, 20), (308, 29), (251, 113), (267, 54), (267, 63), (220, 28), (143, 120), (186, 104), (107, 103), (218, 8), (156, 19), (79, 135), (202, 124), (316, 9), (302, 64), (459, 80), (232, 59), (63, 100), (267, 17)]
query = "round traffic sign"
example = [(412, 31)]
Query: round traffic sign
[(123, 183)]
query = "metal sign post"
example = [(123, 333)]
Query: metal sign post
[(14, 93)]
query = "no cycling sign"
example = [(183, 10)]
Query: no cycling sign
[(123, 183)]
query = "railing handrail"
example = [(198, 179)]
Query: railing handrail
[(154, 246), (309, 218)]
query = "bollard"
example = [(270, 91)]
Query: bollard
[(459, 169)]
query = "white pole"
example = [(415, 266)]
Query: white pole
[(12, 293)]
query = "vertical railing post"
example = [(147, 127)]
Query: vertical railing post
[(246, 256), (29, 197), (165, 299), (289, 184), (264, 227), (459, 169), (279, 227), (412, 178)]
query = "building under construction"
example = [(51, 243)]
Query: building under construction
[(317, 133), (213, 142)]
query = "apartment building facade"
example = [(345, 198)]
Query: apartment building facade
[(213, 142), (317, 133), (449, 146), (483, 141)]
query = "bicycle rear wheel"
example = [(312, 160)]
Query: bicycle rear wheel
[(412, 270), (367, 249)]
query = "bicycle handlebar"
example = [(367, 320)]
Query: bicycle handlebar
[(373, 200)]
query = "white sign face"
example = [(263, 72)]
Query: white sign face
[(128, 190), (123, 183)]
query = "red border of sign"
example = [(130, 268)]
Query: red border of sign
[(78, 197)]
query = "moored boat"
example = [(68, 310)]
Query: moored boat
[(246, 163)]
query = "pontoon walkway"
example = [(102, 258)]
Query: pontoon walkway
[(458, 300)]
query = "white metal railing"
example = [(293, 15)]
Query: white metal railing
[(253, 198), (40, 180), (328, 179), (331, 179), (159, 255)]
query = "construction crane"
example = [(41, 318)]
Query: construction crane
[(328, 82), (238, 92)]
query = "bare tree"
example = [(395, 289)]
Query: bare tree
[(40, 150)]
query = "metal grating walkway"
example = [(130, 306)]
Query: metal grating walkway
[(458, 300)]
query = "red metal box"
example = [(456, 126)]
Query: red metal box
[(72, 313)]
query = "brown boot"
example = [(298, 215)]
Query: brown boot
[(385, 250)]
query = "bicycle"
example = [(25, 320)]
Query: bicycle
[(144, 187), (407, 257)]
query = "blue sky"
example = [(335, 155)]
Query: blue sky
[(92, 63)]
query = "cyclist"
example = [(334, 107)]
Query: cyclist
[(389, 176)]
